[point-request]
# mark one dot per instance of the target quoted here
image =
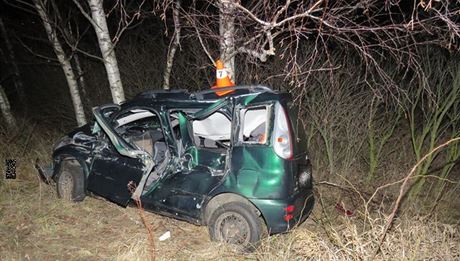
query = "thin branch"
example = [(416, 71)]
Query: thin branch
[(203, 46), (403, 191), (34, 53), (85, 14)]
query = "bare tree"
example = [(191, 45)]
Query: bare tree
[(80, 76), (6, 109), (227, 35), (12, 60), (64, 62), (99, 23), (72, 37), (127, 14), (175, 42), (372, 30)]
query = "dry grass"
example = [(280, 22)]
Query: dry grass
[(36, 225), (46, 228)]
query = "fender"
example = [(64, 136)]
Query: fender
[(77, 153), (214, 202)]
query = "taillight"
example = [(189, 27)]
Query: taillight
[(288, 214), (282, 140)]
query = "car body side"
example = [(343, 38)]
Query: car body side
[(252, 173)]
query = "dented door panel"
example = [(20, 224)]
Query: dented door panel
[(257, 172), (183, 192), (116, 165), (255, 169), (111, 173), (214, 161)]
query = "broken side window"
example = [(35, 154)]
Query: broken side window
[(142, 128), (213, 131), (254, 127)]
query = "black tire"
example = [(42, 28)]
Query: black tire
[(70, 183), (237, 223)]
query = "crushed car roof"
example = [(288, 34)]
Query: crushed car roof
[(255, 93)]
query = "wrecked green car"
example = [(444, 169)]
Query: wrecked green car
[(235, 162)]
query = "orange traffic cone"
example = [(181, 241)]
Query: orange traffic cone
[(222, 79)]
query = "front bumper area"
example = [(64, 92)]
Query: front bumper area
[(274, 211)]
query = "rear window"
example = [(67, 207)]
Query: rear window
[(254, 125)]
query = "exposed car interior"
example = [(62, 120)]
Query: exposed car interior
[(142, 129), (211, 135), (213, 131)]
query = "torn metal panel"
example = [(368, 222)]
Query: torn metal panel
[(210, 110), (114, 184), (120, 144), (184, 127)]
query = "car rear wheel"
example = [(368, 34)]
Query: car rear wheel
[(236, 223), (70, 181)]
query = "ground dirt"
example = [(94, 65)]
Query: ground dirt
[(37, 225)]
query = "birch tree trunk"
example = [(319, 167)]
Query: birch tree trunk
[(227, 36), (6, 109), (67, 32), (19, 86), (107, 50), (174, 45), (80, 76), (65, 63)]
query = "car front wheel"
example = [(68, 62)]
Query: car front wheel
[(236, 223), (70, 181)]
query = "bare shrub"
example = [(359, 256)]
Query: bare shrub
[(336, 114), (433, 111)]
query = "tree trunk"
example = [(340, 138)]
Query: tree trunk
[(107, 50), (19, 86), (65, 64), (6, 110), (67, 32), (174, 44), (80, 77), (227, 36)]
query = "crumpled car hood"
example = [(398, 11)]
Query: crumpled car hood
[(81, 136)]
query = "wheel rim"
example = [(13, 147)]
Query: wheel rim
[(233, 228), (66, 185)]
